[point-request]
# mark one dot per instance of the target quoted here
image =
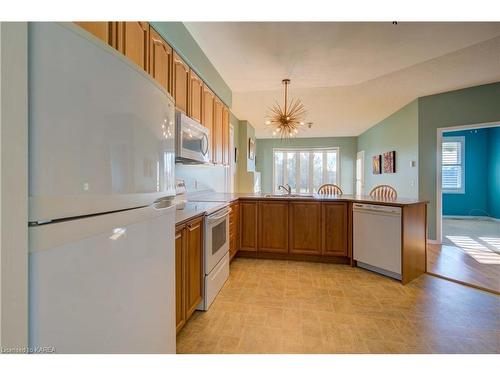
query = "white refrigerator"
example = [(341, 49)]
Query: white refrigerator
[(101, 182)]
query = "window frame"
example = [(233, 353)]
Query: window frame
[(297, 166), (461, 140)]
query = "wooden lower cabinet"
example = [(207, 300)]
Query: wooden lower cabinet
[(188, 269), (179, 279), (334, 220), (234, 230), (305, 227), (273, 226), (248, 225)]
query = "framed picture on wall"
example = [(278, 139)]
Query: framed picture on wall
[(251, 149), (390, 162), (376, 164)]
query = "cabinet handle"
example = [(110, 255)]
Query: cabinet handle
[(192, 227)]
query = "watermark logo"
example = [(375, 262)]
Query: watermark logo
[(29, 350)]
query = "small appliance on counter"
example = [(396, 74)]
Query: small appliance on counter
[(180, 194)]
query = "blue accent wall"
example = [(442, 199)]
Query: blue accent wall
[(474, 201), (494, 171), (481, 166)]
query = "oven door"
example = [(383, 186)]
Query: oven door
[(216, 238), (192, 140)]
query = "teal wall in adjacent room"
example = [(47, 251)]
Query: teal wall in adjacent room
[(494, 172), (178, 36), (398, 132), (347, 146), (474, 201), (474, 105)]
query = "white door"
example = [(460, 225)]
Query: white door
[(360, 173)]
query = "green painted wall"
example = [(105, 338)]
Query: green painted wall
[(178, 36), (398, 132), (347, 146), (246, 166), (474, 105)]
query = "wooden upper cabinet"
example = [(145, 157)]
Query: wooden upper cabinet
[(248, 225), (133, 42), (305, 227), (195, 96), (160, 60), (181, 84), (334, 229), (225, 136), (106, 31), (207, 118), (179, 279), (194, 261), (217, 136), (273, 226)]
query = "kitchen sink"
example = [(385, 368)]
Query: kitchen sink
[(288, 196)]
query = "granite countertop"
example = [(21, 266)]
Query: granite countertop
[(209, 196), (194, 209)]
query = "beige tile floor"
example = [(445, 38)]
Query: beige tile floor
[(271, 306)]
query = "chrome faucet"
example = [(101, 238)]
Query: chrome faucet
[(285, 187)]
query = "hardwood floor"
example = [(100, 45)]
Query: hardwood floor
[(274, 306), (469, 266)]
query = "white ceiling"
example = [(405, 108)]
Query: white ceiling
[(348, 75)]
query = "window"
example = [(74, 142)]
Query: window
[(453, 165), (305, 169)]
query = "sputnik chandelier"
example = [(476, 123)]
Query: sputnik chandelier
[(286, 121)]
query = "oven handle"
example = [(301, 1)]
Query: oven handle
[(215, 218)]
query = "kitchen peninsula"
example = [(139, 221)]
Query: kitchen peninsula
[(315, 227)]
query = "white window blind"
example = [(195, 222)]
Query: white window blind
[(453, 166), (305, 169)]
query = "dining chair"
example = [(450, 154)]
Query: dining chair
[(330, 189), (384, 191)]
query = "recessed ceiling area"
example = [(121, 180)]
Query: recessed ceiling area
[(348, 75)]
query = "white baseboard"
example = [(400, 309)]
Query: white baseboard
[(464, 217)]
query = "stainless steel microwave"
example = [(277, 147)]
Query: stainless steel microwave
[(192, 140)]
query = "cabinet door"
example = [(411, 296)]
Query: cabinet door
[(273, 226), (196, 96), (248, 226), (179, 279), (218, 132), (334, 229), (181, 83), (233, 230), (103, 30), (133, 42), (208, 115), (194, 259), (160, 60), (305, 227), (225, 135)]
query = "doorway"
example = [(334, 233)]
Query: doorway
[(360, 173), (467, 249)]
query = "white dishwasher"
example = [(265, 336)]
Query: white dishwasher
[(377, 238)]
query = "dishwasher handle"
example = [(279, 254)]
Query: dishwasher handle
[(379, 209)]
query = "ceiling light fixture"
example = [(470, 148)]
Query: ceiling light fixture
[(287, 120)]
